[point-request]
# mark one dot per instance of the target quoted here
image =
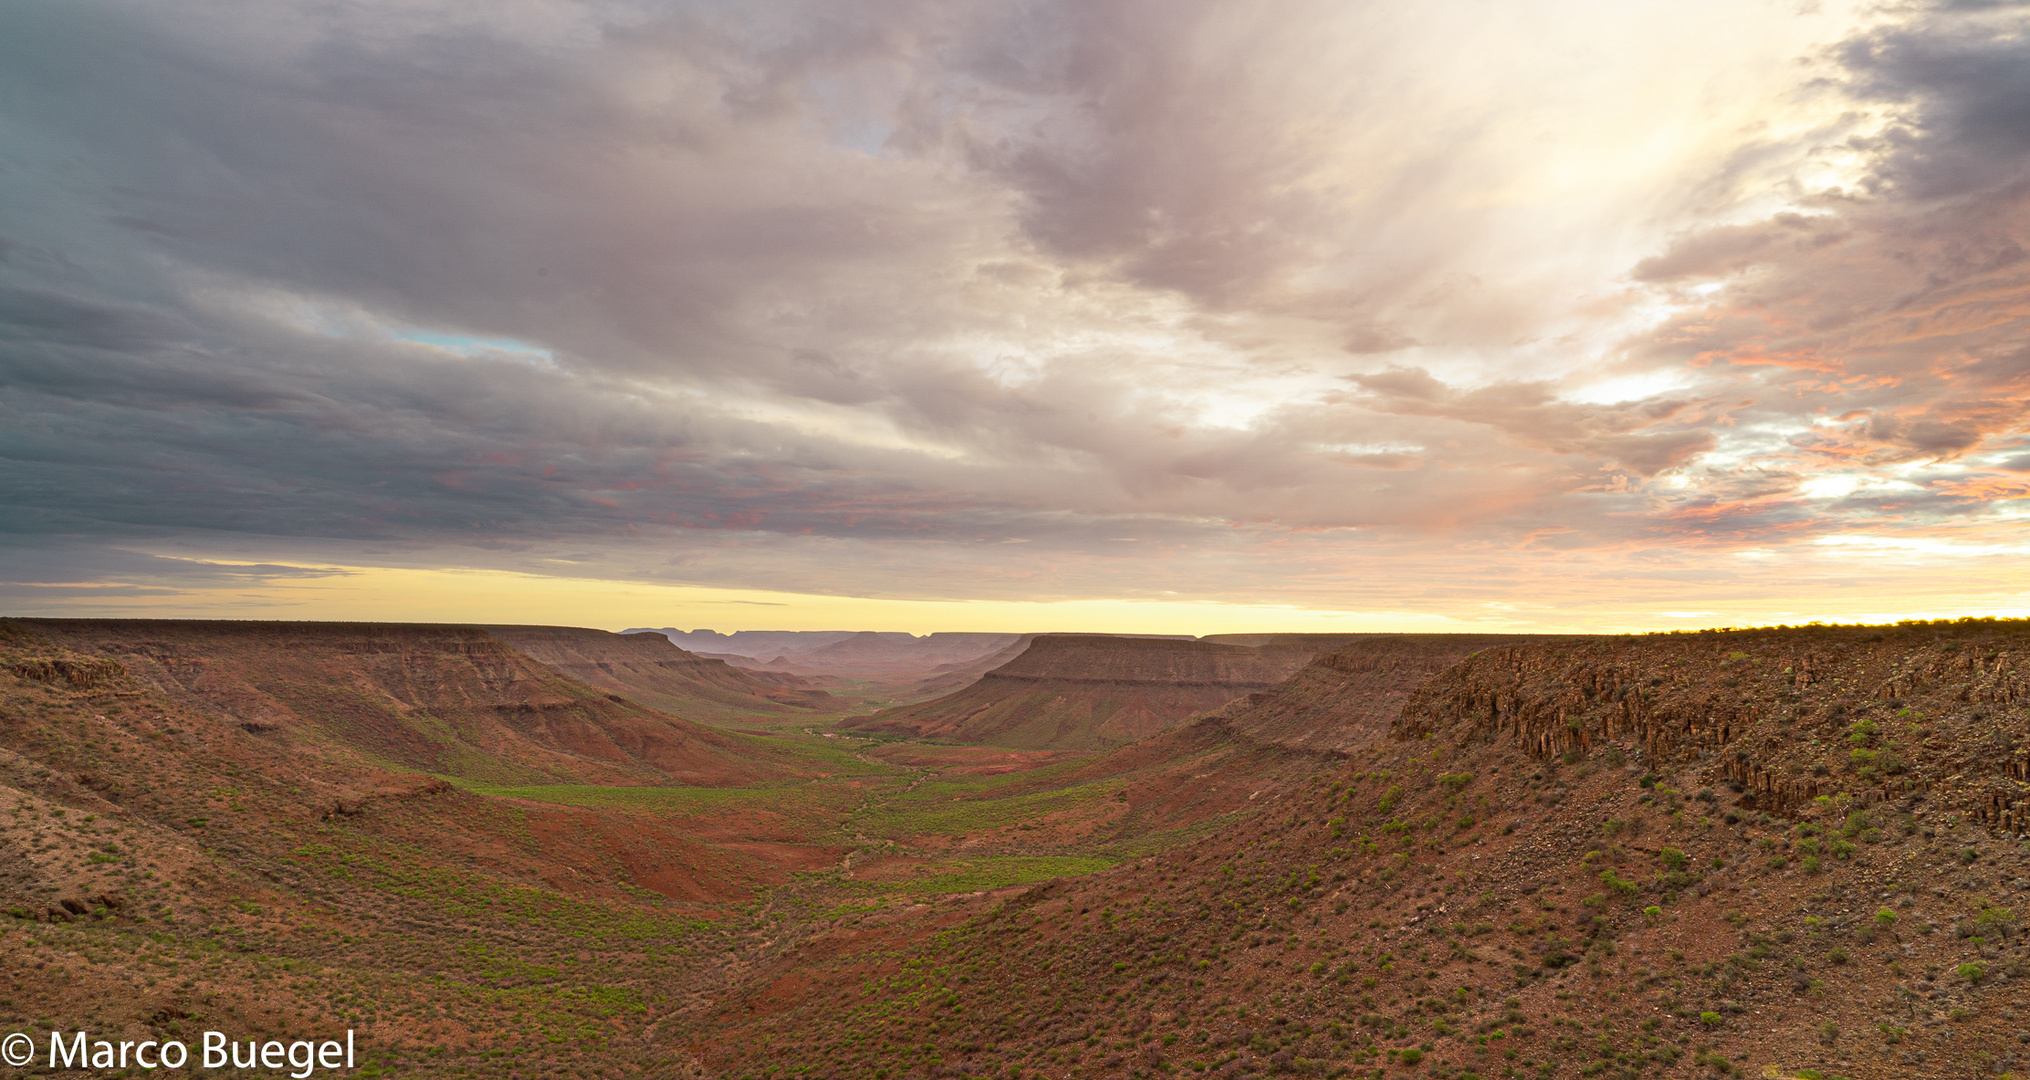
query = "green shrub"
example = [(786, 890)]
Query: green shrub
[(1710, 1019), (1412, 1056), (1995, 922), (1972, 971), (1609, 879)]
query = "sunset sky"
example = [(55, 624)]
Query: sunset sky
[(1169, 316)]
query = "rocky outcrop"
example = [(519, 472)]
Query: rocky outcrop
[(1850, 715)]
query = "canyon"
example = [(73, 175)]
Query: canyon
[(512, 851)]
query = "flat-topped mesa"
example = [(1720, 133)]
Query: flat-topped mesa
[(1791, 716), (1088, 691), (651, 670), (1351, 696)]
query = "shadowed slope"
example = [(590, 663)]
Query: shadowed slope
[(649, 669)]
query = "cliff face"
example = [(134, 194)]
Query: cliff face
[(1080, 691), (1350, 696), (649, 669), (1916, 712), (443, 699)]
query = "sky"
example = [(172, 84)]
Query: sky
[(1178, 316)]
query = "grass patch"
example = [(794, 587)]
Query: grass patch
[(933, 808), (990, 872), (684, 801)]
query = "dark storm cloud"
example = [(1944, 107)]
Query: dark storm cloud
[(1961, 78)]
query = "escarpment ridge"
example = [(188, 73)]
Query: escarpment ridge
[(454, 700)]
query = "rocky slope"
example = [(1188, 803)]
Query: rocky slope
[(1783, 853), (188, 842), (1094, 691), (649, 669)]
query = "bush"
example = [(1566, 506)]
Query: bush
[(1625, 888), (1972, 971), (1412, 1056), (1710, 1019), (1885, 918), (1995, 922)]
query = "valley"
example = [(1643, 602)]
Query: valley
[(539, 851)]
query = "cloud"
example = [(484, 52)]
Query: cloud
[(1636, 435), (772, 296)]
